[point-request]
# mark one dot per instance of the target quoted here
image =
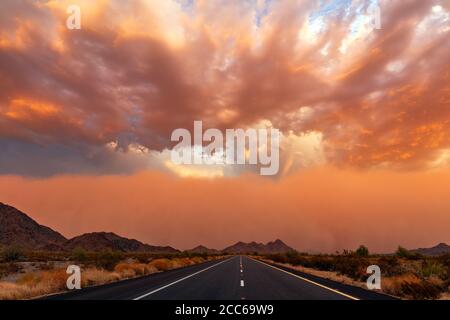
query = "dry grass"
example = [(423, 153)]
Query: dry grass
[(412, 287), (94, 276), (392, 285), (13, 291), (161, 264), (129, 270), (323, 274), (34, 284), (179, 263), (196, 260)]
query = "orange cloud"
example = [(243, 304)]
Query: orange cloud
[(20, 109), (137, 70)]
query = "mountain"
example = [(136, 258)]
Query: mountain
[(99, 241), (440, 249), (17, 229), (203, 250), (276, 246)]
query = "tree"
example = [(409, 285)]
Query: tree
[(362, 251), (79, 254), (402, 252)]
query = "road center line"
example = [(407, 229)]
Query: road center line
[(242, 283), (307, 280), (179, 280)]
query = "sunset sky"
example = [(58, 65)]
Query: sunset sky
[(86, 118)]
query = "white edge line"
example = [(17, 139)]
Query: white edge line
[(310, 281), (179, 280)]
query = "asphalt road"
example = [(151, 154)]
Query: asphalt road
[(235, 278)]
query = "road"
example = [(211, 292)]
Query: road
[(235, 278)]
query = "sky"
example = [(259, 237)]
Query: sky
[(86, 118)]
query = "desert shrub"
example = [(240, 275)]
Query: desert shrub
[(134, 269), (292, 255), (179, 262), (108, 260), (323, 263), (420, 290), (406, 254), (298, 260), (54, 280), (402, 252), (277, 258), (433, 268), (79, 255), (162, 264), (125, 270), (445, 260), (34, 284), (347, 264), (411, 286), (294, 258), (362, 251), (12, 253), (143, 257), (196, 260), (11, 291), (352, 266), (389, 265), (94, 276)]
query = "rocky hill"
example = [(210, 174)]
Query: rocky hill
[(440, 249), (276, 246), (18, 229), (99, 241)]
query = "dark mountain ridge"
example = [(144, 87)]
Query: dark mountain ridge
[(18, 229), (276, 246), (440, 249)]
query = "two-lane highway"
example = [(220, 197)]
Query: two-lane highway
[(235, 278)]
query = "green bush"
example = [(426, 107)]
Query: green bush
[(362, 251), (432, 268), (108, 260), (406, 254), (402, 252), (79, 254)]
